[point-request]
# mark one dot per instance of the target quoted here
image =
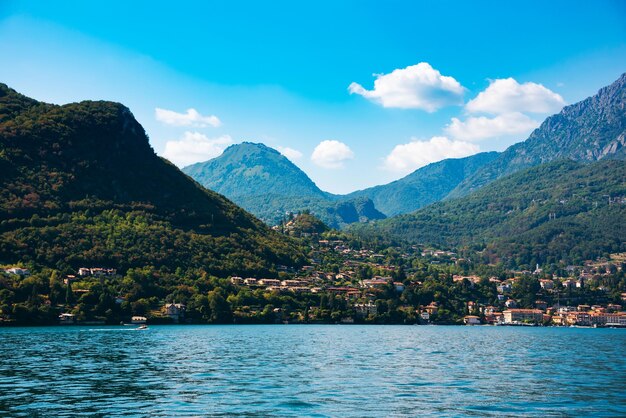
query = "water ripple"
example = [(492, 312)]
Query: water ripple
[(316, 371)]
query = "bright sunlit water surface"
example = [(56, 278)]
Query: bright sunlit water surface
[(312, 371)]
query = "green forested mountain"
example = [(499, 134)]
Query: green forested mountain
[(423, 186), (266, 183), (590, 130), (250, 167), (562, 210), (80, 185)]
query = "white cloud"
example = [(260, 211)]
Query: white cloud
[(191, 118), (506, 95), (414, 87), (195, 147), (405, 158), (478, 128), (331, 154), (292, 154)]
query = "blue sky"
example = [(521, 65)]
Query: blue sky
[(453, 78)]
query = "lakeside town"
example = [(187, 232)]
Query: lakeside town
[(345, 283)]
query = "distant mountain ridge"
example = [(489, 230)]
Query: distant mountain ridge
[(590, 130), (425, 185), (80, 185), (265, 182)]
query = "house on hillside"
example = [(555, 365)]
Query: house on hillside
[(18, 271), (365, 309), (546, 284), (510, 303), (176, 311), (269, 282), (236, 280)]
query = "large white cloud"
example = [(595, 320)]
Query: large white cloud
[(417, 86), (482, 127), (290, 153), (405, 158), (331, 154), (195, 147), (191, 118), (506, 95)]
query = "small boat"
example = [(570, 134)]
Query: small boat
[(141, 327)]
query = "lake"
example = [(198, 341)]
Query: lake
[(311, 370)]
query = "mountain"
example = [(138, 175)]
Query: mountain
[(266, 183), (81, 186), (563, 210), (424, 186), (590, 130), (247, 167)]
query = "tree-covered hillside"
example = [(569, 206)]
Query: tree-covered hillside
[(558, 211), (81, 185), (266, 183)]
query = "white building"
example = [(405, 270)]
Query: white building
[(514, 316), (18, 271), (66, 319), (365, 309)]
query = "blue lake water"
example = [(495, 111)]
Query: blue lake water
[(310, 370)]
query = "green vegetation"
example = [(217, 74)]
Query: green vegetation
[(338, 278), (557, 212), (81, 187), (81, 184), (264, 182), (302, 224)]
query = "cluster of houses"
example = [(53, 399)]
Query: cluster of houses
[(96, 272), (308, 284), (610, 315), (361, 294), (274, 284)]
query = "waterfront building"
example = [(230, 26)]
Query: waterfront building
[(66, 319), (512, 316)]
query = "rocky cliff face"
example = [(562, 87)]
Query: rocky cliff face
[(590, 130)]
